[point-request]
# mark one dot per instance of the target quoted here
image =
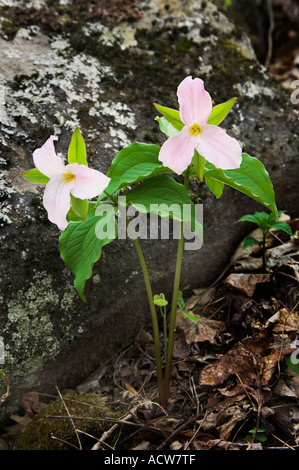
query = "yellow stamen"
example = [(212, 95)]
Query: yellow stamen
[(68, 176), (195, 129)]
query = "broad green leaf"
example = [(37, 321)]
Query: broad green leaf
[(259, 218), (134, 163), (77, 149), (184, 311), (283, 226), (199, 164), (35, 176), (220, 111), (80, 248), (172, 116), (166, 127), (251, 179), (72, 216), (216, 187), (80, 207), (250, 241), (167, 198)]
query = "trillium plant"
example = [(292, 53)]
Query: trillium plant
[(143, 178)]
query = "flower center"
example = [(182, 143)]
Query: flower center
[(195, 129), (68, 177)]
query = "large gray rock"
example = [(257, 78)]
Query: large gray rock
[(60, 70)]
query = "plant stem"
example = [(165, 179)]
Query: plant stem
[(154, 322), (176, 287), (264, 250), (151, 304), (164, 315)]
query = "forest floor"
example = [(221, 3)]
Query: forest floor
[(235, 377)]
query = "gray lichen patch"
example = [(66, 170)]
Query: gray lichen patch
[(30, 326)]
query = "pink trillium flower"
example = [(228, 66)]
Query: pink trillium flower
[(212, 142), (79, 180)]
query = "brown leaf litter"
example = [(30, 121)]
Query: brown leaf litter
[(229, 372)]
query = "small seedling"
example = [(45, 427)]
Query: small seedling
[(256, 434), (265, 222)]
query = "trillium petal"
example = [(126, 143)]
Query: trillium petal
[(46, 160), (57, 200), (177, 152), (195, 102), (89, 183), (219, 148)]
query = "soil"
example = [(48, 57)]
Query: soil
[(235, 377)]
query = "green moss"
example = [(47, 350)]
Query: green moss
[(8, 29), (40, 434)]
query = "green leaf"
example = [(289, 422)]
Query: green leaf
[(259, 218), (77, 149), (166, 127), (167, 198), (80, 207), (80, 248), (220, 111), (172, 116), (134, 163), (199, 164), (72, 216), (216, 187), (35, 176), (250, 241), (251, 179), (160, 300), (283, 226), (184, 311)]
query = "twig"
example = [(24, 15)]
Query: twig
[(280, 440), (178, 430), (288, 275), (65, 442), (270, 31), (96, 438), (73, 424), (125, 419)]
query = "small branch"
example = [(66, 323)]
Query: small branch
[(269, 6), (73, 424)]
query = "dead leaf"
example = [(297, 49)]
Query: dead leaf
[(239, 362), (203, 330), (284, 322), (31, 403), (203, 296), (246, 283), (130, 388), (219, 444), (143, 445), (230, 416), (176, 445)]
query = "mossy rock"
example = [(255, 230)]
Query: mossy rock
[(48, 433)]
